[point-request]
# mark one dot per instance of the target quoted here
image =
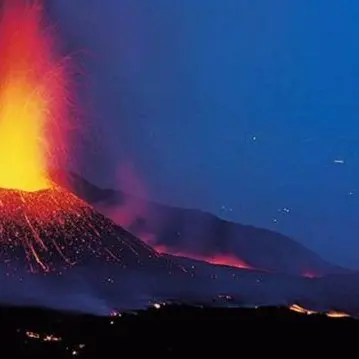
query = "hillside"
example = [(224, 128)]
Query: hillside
[(201, 235)]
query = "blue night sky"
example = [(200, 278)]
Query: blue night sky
[(248, 109)]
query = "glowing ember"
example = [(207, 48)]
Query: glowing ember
[(32, 95)]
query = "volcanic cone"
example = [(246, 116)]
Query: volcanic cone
[(52, 229)]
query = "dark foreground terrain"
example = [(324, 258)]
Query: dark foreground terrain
[(172, 330)]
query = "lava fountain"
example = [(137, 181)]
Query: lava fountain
[(32, 97)]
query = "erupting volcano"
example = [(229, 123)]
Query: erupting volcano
[(42, 224)]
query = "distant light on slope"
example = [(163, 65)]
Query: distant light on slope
[(297, 308), (331, 314), (337, 315)]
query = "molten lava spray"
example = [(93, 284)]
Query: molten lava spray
[(32, 97)]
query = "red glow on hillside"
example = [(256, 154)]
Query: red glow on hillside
[(227, 260), (219, 259), (32, 97)]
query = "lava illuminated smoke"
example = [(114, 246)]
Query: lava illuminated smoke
[(32, 97)]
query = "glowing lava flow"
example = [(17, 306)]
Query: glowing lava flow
[(32, 95), (219, 259)]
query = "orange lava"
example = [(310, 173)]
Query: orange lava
[(32, 97), (221, 259)]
